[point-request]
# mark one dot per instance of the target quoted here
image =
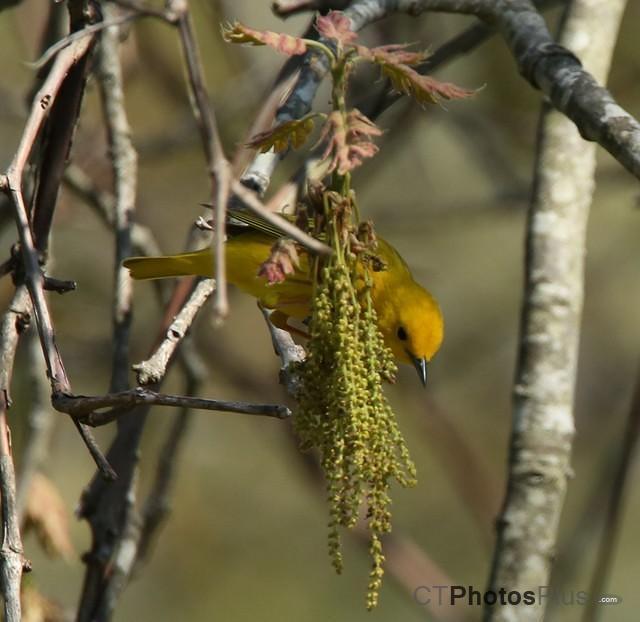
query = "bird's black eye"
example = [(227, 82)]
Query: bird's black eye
[(402, 333)]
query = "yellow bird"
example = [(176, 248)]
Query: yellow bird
[(409, 317)]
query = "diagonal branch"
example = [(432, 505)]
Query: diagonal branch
[(154, 368), (45, 102), (218, 166)]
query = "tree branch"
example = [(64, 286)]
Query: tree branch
[(84, 407), (12, 560), (125, 171), (547, 66), (251, 201), (218, 166), (11, 184), (154, 368), (543, 63), (543, 393)]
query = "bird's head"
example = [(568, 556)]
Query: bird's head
[(413, 328)]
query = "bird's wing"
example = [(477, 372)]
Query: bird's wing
[(242, 220)]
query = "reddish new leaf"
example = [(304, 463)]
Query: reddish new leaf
[(424, 89), (394, 54), (348, 143), (283, 260), (337, 26), (278, 138), (287, 44), (396, 63), (360, 126)]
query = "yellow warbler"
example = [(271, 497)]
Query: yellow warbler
[(409, 317)]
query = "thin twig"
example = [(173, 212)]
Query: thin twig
[(289, 352), (105, 469), (84, 407), (93, 29), (12, 560), (12, 185), (42, 103), (34, 281), (251, 201), (218, 166), (154, 368)]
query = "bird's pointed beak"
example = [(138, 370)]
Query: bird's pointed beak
[(421, 367)]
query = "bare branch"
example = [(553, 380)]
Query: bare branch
[(218, 166), (12, 560), (43, 100), (84, 407), (543, 393), (252, 202), (93, 29), (12, 185), (153, 369), (106, 471), (14, 321), (55, 144), (289, 352), (544, 64), (125, 171)]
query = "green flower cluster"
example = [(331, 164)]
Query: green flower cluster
[(343, 410)]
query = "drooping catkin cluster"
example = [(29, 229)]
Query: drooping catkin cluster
[(342, 407)]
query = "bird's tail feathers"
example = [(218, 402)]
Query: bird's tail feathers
[(197, 263)]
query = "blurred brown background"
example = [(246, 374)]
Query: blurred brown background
[(247, 536)]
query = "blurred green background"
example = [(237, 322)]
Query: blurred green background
[(247, 535)]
